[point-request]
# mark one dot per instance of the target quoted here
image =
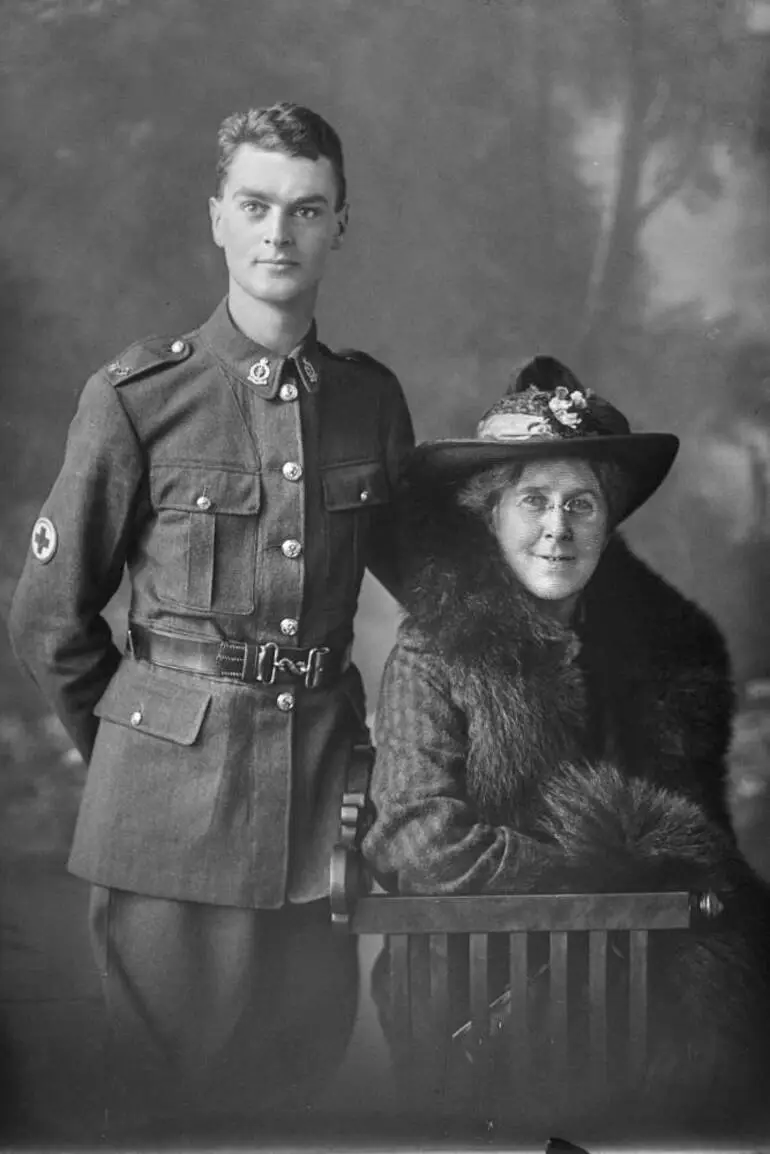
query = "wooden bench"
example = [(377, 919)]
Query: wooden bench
[(547, 1051)]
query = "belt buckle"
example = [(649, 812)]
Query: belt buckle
[(315, 666), (267, 663)]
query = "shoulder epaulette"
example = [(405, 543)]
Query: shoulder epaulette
[(356, 356), (146, 355)]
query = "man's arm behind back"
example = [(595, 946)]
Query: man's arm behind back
[(56, 625)]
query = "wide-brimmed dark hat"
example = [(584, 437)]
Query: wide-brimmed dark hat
[(547, 414)]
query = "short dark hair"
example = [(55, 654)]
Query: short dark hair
[(282, 127), (482, 492)]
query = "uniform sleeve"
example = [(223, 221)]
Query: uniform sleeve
[(56, 626), (427, 836), (383, 558)]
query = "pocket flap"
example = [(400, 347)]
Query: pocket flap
[(150, 702), (205, 489), (354, 485)]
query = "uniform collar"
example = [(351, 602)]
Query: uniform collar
[(259, 368)]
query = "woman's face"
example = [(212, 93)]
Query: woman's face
[(552, 525)]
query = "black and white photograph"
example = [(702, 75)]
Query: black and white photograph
[(385, 660)]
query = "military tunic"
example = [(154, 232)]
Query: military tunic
[(245, 493)]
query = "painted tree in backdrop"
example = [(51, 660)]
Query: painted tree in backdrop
[(675, 78)]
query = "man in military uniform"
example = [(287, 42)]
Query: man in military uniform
[(243, 473)]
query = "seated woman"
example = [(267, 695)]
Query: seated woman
[(554, 716)]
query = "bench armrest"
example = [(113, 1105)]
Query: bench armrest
[(348, 876)]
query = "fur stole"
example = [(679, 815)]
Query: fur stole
[(642, 682)]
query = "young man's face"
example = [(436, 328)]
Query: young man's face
[(276, 220)]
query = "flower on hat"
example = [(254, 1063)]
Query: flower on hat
[(563, 412), (566, 407)]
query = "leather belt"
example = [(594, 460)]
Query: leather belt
[(262, 663)]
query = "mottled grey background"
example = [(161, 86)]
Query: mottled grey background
[(586, 178)]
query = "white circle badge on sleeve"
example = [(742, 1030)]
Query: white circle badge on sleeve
[(45, 540)]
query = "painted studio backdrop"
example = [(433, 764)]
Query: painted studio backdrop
[(587, 178)]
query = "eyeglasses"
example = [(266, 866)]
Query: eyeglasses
[(583, 507)]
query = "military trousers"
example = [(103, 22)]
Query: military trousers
[(218, 1013)]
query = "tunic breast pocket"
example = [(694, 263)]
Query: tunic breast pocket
[(351, 491), (205, 538)]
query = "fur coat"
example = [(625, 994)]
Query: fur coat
[(515, 755)]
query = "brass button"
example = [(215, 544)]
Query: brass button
[(136, 717), (365, 495), (291, 548), (289, 626), (285, 702), (203, 502), (292, 471), (288, 392), (178, 347)]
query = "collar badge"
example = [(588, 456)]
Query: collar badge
[(259, 373), (309, 370)]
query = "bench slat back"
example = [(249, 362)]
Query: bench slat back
[(432, 939)]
